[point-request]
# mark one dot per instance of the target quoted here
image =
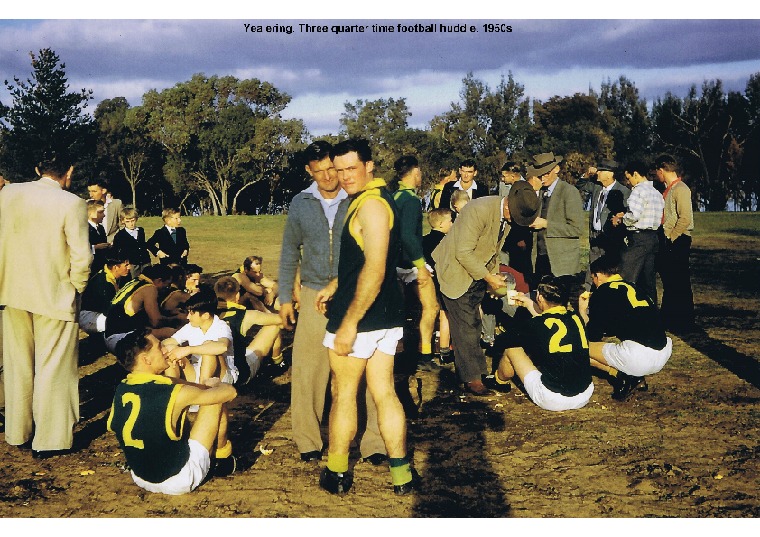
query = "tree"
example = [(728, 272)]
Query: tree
[(220, 135), (626, 119), (489, 126), (377, 122), (45, 116)]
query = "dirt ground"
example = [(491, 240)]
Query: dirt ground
[(688, 447)]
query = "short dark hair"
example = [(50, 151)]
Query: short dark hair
[(178, 273), (226, 287), (318, 150), (404, 165), (555, 289), (204, 301), (55, 162), (638, 166), (95, 181), (116, 256), (191, 268), (606, 264), (131, 346), (512, 167), (666, 162), (161, 272), (359, 145), (468, 163), (248, 261)]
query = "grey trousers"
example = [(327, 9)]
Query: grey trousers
[(465, 326), (310, 375)]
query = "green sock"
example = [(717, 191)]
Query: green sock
[(337, 463), (401, 472)]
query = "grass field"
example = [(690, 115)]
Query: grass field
[(219, 244)]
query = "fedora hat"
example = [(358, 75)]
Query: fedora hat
[(608, 165), (543, 163), (523, 203)]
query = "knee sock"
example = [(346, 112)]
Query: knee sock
[(401, 472), (337, 463), (426, 348)]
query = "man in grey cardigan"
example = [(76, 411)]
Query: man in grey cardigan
[(308, 261)]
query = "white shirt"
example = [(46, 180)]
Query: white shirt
[(473, 186), (194, 336), (329, 206)]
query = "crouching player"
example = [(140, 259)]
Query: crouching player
[(617, 309), (148, 417), (549, 352)]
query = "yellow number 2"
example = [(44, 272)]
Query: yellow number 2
[(134, 400), (555, 343), (630, 293)]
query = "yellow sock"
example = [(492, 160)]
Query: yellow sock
[(426, 348), (498, 378), (277, 360), (337, 463), (224, 451)]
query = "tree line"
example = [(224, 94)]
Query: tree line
[(219, 145)]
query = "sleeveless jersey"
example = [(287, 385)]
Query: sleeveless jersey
[(118, 321), (233, 314), (141, 420), (556, 343), (386, 311)]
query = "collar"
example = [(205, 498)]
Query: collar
[(375, 183), (144, 378), (93, 224), (671, 185), (473, 186), (171, 228), (145, 279), (50, 181), (608, 188), (555, 309), (314, 191), (550, 189), (234, 306), (109, 276)]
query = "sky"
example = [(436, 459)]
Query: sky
[(126, 54)]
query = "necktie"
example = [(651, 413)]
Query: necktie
[(174, 235), (600, 206), (502, 228)]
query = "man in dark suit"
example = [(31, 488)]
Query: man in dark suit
[(599, 192), (466, 260), (468, 170), (557, 248), (97, 234), (98, 190), (169, 243)]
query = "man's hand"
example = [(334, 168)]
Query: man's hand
[(345, 338), (325, 295), (212, 382), (494, 282), (161, 254), (591, 171), (583, 305), (288, 315), (539, 223), (178, 353)]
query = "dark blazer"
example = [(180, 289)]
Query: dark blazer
[(97, 236), (134, 249), (162, 240), (593, 189), (449, 188)]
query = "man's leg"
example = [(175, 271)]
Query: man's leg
[(426, 293), (18, 357), (371, 442), (346, 376), (310, 375), (56, 383), (515, 361), (632, 258), (465, 325)]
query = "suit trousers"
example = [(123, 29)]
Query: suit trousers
[(465, 326), (41, 379), (637, 261), (677, 296), (310, 375)]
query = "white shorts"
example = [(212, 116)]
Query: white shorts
[(549, 400), (368, 342), (92, 322), (635, 359), (188, 478)]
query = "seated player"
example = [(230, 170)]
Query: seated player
[(149, 418), (100, 290), (206, 342), (548, 352), (257, 288), (173, 297), (255, 334), (617, 309), (136, 306), (192, 278)]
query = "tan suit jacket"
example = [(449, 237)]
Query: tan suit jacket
[(112, 221), (469, 251), (44, 248)]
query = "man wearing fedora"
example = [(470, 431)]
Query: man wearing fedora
[(465, 261), (599, 191), (557, 248)]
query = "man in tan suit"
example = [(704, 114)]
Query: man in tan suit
[(40, 332), (466, 260)]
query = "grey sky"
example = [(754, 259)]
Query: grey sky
[(322, 71)]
